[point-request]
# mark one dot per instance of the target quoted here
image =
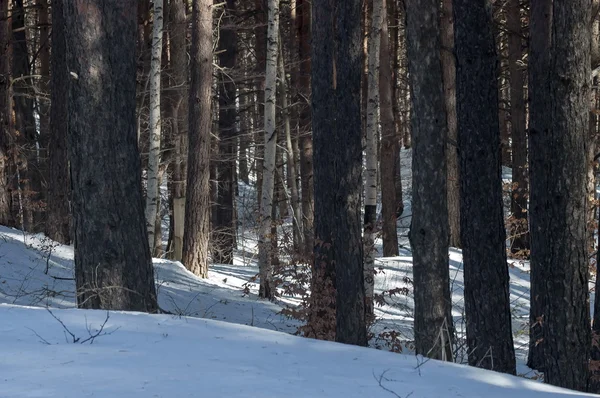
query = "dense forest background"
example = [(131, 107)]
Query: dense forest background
[(136, 129)]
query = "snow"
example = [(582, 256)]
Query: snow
[(220, 340), (169, 356)]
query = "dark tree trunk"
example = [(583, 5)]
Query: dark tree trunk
[(520, 186), (6, 125), (43, 107), (345, 177), (197, 205), (113, 267), (448, 62), (304, 125), (28, 171), (389, 145), (224, 228), (559, 81), (429, 228), (58, 215), (487, 298)]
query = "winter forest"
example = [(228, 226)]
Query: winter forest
[(296, 198)]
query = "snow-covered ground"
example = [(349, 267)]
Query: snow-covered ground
[(219, 339)]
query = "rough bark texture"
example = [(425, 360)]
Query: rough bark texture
[(43, 108), (26, 160), (58, 214), (448, 64), (321, 322), (520, 183), (304, 125), (390, 146), (559, 78), (5, 112), (179, 114), (154, 137), (113, 267), (429, 228), (224, 228), (372, 127), (345, 176), (487, 301), (197, 205)]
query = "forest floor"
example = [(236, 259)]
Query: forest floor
[(242, 346)]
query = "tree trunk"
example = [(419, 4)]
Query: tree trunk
[(372, 125), (305, 124), (390, 147), (559, 79), (322, 313), (487, 298), (449, 67), (520, 183), (179, 114), (113, 267), (224, 228), (6, 126), (429, 229), (394, 29), (43, 106), (290, 159), (197, 205), (345, 176), (153, 187), (58, 214), (26, 159), (270, 133)]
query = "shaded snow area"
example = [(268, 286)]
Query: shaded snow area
[(217, 339), (209, 347), (139, 355)]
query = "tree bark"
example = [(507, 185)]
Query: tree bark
[(372, 126), (6, 125), (449, 67), (197, 205), (429, 229), (58, 215), (322, 314), (113, 267), (520, 183), (270, 139), (153, 184), (487, 297), (345, 176), (390, 147), (224, 228), (559, 79)]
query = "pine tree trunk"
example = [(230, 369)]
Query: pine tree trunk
[(520, 183), (305, 126), (270, 139), (58, 221), (43, 106), (487, 298), (372, 125), (6, 126), (197, 205), (429, 229), (559, 81), (153, 188), (224, 228), (28, 177), (113, 266), (448, 63), (390, 147)]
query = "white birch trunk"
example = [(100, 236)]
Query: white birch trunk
[(266, 205), (374, 45), (154, 144)]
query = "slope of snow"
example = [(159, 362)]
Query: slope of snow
[(167, 356)]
